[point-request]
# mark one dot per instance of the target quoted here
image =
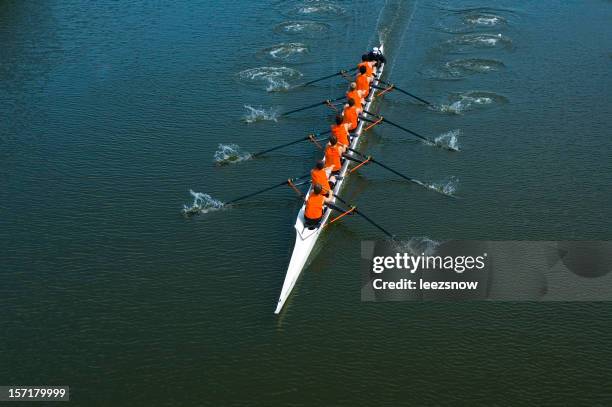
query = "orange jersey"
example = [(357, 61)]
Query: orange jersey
[(341, 133), (314, 206), (362, 83), (320, 177), (369, 69), (351, 117), (332, 157), (354, 94)]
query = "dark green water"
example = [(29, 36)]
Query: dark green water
[(112, 111)]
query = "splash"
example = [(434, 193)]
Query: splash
[(230, 154), (449, 140), (448, 187), (256, 114), (202, 203), (274, 78), (303, 27), (291, 52), (470, 100)]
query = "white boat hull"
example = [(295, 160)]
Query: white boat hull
[(305, 238)]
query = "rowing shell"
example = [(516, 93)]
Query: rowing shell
[(305, 238)]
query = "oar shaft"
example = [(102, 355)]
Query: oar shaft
[(279, 147), (376, 225), (303, 108), (328, 76), (407, 130), (405, 92), (312, 106), (263, 190)]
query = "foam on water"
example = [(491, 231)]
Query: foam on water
[(470, 100), (274, 78), (417, 246), (303, 27), (447, 187), (202, 203), (318, 7), (449, 140), (230, 154), (487, 20), (290, 52), (256, 114), (464, 42)]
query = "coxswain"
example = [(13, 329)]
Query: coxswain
[(369, 64), (351, 114), (313, 212), (363, 81), (320, 175), (341, 131), (353, 93), (333, 155), (376, 56)]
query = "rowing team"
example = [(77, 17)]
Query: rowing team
[(326, 172)]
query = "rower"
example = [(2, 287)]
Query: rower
[(369, 64), (353, 93), (333, 155), (363, 81), (313, 211), (341, 131), (320, 175), (351, 114)]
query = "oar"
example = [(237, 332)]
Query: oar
[(342, 71), (371, 159), (291, 143), (385, 120), (311, 106), (286, 182), (404, 92), (376, 225)]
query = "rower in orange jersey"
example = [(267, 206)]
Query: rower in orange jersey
[(320, 175), (313, 212), (355, 94), (340, 130), (369, 64), (351, 114), (333, 155), (363, 81)]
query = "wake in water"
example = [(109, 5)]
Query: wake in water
[(256, 114), (463, 102), (272, 77), (202, 203), (230, 154)]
